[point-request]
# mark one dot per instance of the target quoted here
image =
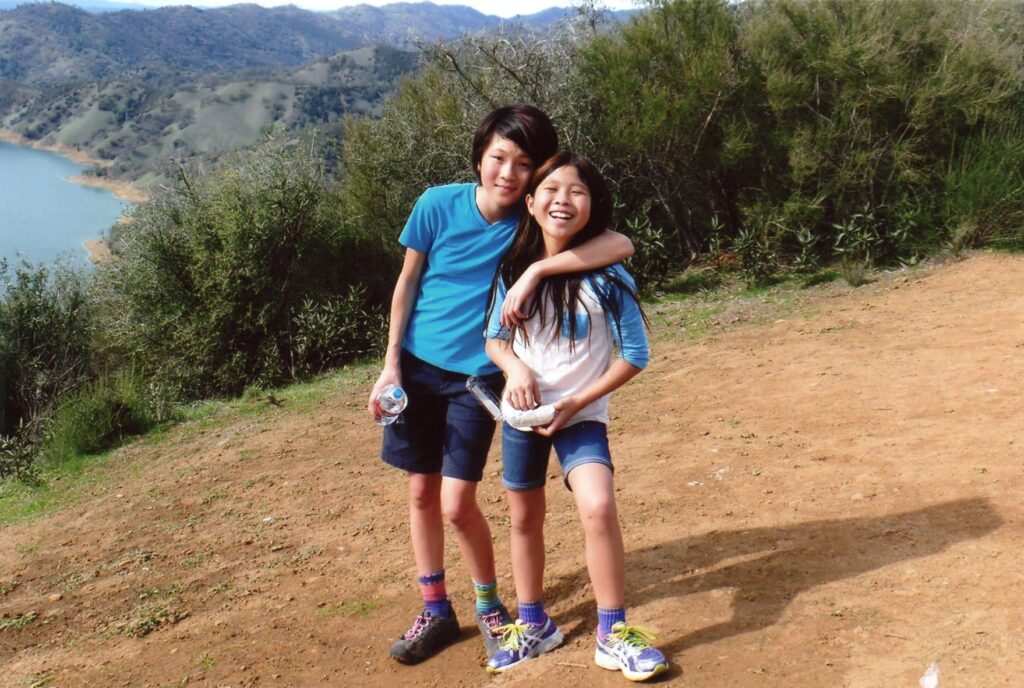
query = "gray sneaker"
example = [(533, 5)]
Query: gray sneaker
[(428, 635), (490, 626)]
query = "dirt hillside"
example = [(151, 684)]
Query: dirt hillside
[(831, 498)]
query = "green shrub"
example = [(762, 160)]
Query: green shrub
[(17, 458), (103, 413), (984, 199), (46, 326), (758, 258), (867, 100), (211, 290)]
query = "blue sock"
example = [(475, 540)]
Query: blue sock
[(606, 618), (435, 596), (532, 613), (487, 599)]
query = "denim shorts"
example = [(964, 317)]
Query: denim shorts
[(443, 429), (525, 454)]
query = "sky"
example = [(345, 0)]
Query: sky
[(507, 8)]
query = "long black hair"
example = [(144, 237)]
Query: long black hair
[(563, 290)]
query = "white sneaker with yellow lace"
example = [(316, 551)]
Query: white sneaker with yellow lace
[(628, 649)]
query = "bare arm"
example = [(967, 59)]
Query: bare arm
[(619, 373), (520, 384), (402, 303), (603, 250)]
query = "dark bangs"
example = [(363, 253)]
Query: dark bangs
[(522, 124)]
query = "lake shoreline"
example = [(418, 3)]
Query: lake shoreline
[(99, 248), (123, 190)]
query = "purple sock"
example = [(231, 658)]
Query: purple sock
[(435, 595), (606, 618), (533, 613)]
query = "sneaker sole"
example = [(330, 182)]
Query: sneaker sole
[(546, 645), (606, 661)]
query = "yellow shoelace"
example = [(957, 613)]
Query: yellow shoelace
[(634, 636), (513, 635)]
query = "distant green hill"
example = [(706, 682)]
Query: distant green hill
[(52, 43), (45, 44), (137, 88), (141, 121)]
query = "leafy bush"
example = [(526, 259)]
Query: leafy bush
[(17, 458), (103, 413), (212, 289), (46, 325), (758, 258), (867, 101), (984, 200), (672, 106)]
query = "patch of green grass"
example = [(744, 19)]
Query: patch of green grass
[(694, 281), (357, 608), (822, 277), (212, 496), (207, 661), (147, 618), (161, 593), (69, 580), (57, 487), (218, 589), (8, 587), (37, 681), (16, 622)]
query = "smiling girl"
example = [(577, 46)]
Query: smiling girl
[(562, 354), (454, 238)]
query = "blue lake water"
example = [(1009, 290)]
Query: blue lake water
[(42, 215)]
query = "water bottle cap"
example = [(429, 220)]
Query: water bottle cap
[(397, 393)]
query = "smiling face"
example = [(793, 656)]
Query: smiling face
[(561, 207), (504, 170)]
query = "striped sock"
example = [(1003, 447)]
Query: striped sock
[(487, 599), (606, 618), (533, 613), (435, 596)]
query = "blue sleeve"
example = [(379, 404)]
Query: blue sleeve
[(632, 344), (495, 330), (420, 228)]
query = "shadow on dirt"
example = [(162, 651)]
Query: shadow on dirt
[(777, 564)]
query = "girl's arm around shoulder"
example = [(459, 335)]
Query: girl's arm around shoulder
[(607, 248), (402, 303)]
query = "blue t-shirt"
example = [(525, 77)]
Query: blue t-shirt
[(463, 250)]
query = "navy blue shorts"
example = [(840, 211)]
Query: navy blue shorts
[(444, 429), (525, 454)]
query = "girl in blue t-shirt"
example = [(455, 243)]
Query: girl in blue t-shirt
[(561, 355), (454, 238)]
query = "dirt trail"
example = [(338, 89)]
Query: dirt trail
[(829, 500)]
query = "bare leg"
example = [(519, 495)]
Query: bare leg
[(592, 488), (458, 502), (527, 509), (425, 525)]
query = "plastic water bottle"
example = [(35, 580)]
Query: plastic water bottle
[(502, 410), (391, 401), (485, 396)]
